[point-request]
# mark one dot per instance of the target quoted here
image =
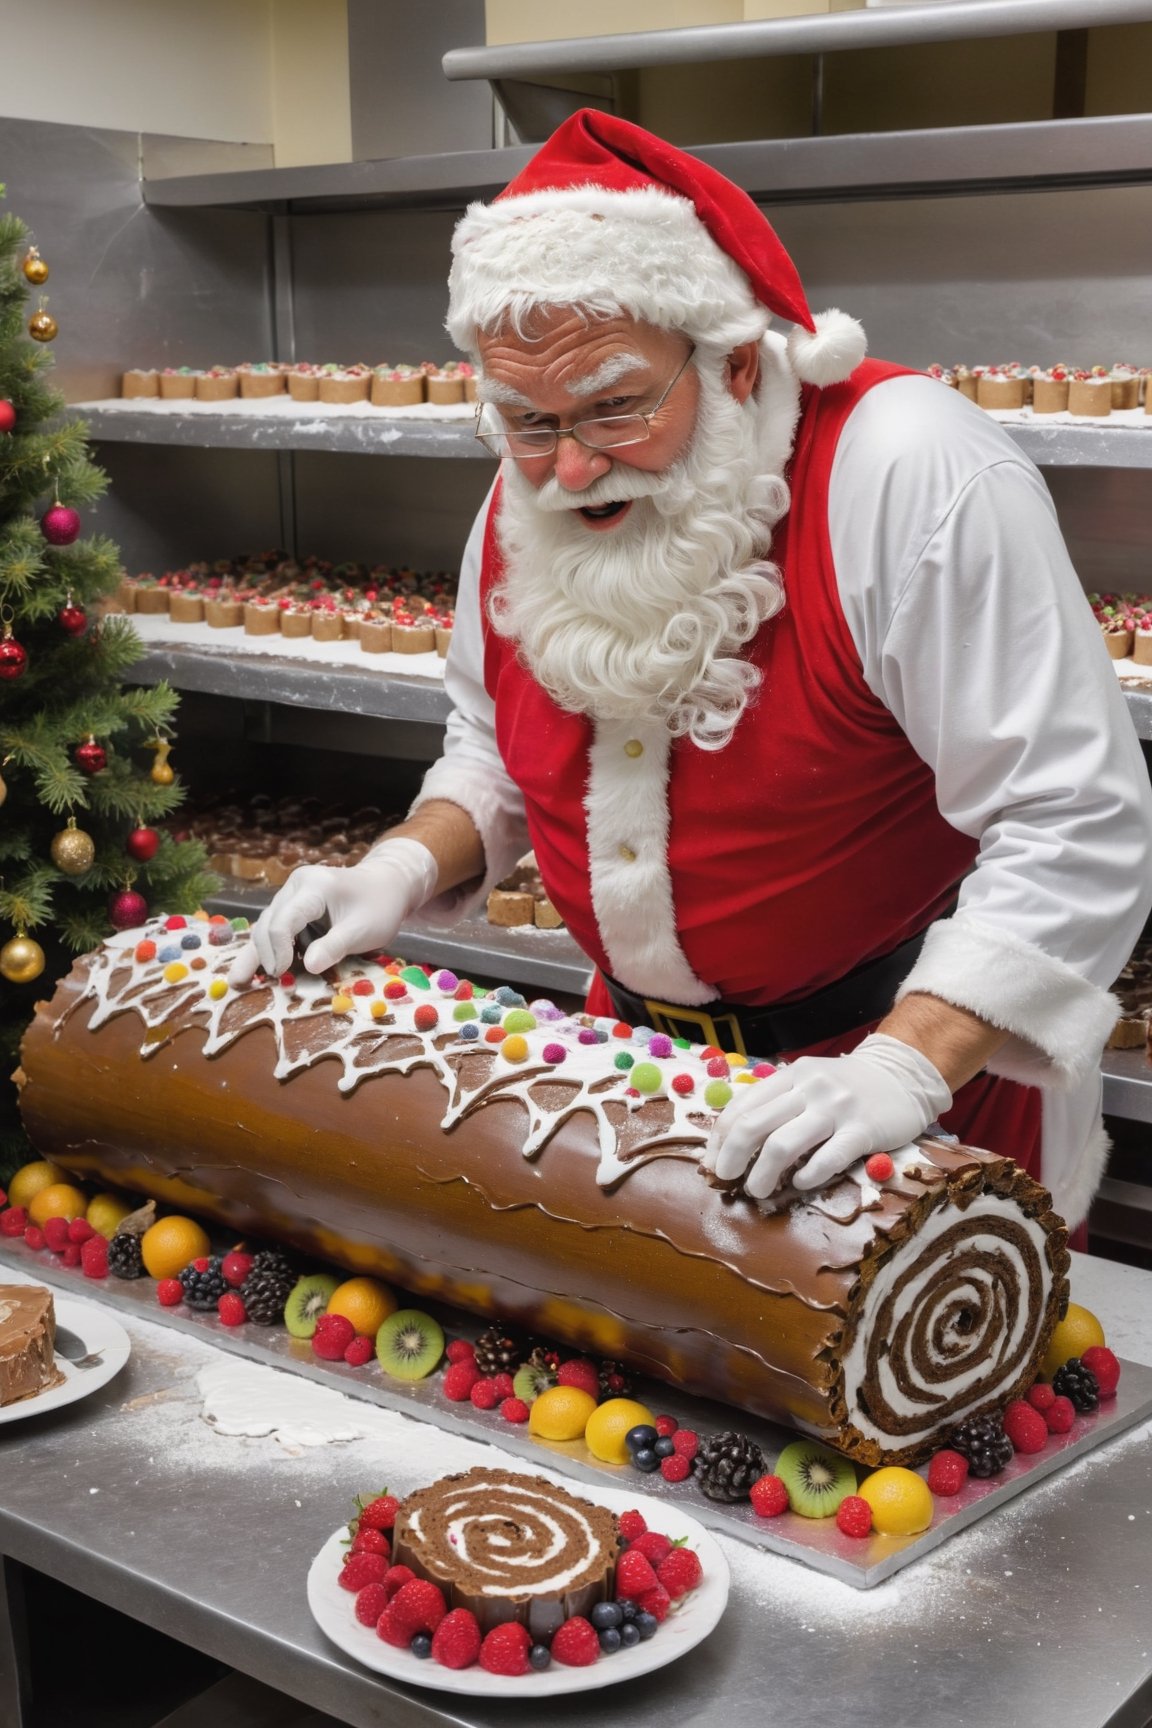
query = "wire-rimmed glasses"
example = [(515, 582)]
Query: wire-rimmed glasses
[(607, 432)]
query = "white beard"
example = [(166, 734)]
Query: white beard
[(647, 620)]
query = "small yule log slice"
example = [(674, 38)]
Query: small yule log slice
[(509, 1547), (872, 1317), (27, 1342)]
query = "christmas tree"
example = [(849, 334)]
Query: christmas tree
[(84, 771)]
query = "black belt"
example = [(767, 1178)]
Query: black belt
[(863, 995)]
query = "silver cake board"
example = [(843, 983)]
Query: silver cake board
[(860, 1562)]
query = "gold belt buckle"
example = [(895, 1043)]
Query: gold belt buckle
[(664, 1016)]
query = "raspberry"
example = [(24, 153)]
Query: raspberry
[(3, 1197), (634, 1572), (360, 1351), (34, 1237), (1025, 1427), (665, 1425), (333, 1334), (576, 1643), (1101, 1362), (459, 1350), (505, 1386), (680, 1572), (505, 1649), (632, 1524), (1041, 1396), (379, 1513), (459, 1381), (396, 1577), (687, 1443), (456, 1641), (169, 1292), (230, 1309), (514, 1410), (418, 1606), (94, 1257), (675, 1468), (769, 1497), (370, 1541), (654, 1548), (655, 1602), (55, 1233), (14, 1221), (879, 1167), (582, 1373), (71, 1254), (79, 1230), (483, 1394), (947, 1473), (854, 1515), (371, 1603), (1060, 1415), (361, 1569)]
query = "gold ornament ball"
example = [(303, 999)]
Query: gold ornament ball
[(3, 789), (73, 851), (163, 774), (21, 960), (42, 327), (35, 268)]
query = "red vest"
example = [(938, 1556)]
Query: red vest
[(810, 843)]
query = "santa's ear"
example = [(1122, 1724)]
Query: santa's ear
[(741, 370)]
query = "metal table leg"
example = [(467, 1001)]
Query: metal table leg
[(15, 1671), (237, 1701)]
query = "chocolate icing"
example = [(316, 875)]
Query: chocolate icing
[(550, 1195)]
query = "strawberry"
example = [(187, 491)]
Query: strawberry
[(371, 1603), (34, 1237), (230, 1309), (576, 1643), (395, 1577), (332, 1337), (361, 1569), (79, 1230), (582, 1373), (656, 1602), (379, 1513), (456, 1641), (55, 1233), (369, 1541), (14, 1221), (654, 1548), (71, 1254), (505, 1649), (680, 1572), (632, 1524), (769, 1497), (459, 1350), (634, 1573), (418, 1606), (1101, 1362)]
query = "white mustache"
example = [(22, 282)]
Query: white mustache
[(618, 486)]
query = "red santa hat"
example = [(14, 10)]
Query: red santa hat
[(609, 218)]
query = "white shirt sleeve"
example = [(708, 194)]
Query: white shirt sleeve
[(974, 632), (471, 772)]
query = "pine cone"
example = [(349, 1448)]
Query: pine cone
[(498, 1352), (727, 1465), (1078, 1383), (983, 1442), (124, 1259)]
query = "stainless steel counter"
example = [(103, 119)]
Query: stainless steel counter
[(1040, 1613)]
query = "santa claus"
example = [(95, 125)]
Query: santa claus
[(776, 657)]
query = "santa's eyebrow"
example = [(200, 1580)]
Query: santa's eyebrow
[(613, 369), (491, 390)]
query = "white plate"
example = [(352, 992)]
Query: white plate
[(334, 1611), (99, 1332)]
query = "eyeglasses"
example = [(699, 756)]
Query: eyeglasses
[(610, 432)]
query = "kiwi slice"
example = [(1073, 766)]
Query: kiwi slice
[(816, 1478), (307, 1301), (409, 1344), (530, 1380)]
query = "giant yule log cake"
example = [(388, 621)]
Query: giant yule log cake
[(544, 1170)]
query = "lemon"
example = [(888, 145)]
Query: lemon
[(57, 1200), (31, 1178), (1077, 1332), (561, 1413), (901, 1501), (609, 1423), (105, 1212)]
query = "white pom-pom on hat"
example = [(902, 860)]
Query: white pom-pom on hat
[(831, 352)]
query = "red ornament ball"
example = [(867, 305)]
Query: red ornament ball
[(13, 659), (142, 844), (72, 619), (91, 757), (127, 909), (60, 525), (7, 415)]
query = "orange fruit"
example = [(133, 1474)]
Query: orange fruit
[(901, 1501), (608, 1424), (560, 1413), (105, 1212), (168, 1246), (1077, 1332), (31, 1178), (364, 1301), (58, 1200)]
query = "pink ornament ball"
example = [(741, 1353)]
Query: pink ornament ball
[(127, 909), (7, 415), (60, 525)]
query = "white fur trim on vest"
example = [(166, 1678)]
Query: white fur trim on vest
[(1074, 1148), (627, 809), (1058, 1020), (645, 252), (831, 352)]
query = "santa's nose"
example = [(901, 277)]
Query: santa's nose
[(576, 467)]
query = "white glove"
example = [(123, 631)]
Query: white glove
[(365, 905), (836, 1108)]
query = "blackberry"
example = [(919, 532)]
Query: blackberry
[(203, 1283), (727, 1464), (497, 1352), (615, 1380), (982, 1440), (276, 1261), (264, 1293), (124, 1259), (1078, 1383)]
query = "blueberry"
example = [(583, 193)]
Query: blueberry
[(609, 1641), (421, 1645), (540, 1657), (190, 941), (646, 1624), (627, 1607), (641, 1436), (664, 1447), (606, 1614), (645, 1460), (629, 1635)]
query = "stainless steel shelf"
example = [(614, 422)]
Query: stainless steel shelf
[(1127, 1084), (543, 959), (1140, 708), (1067, 446), (264, 678), (357, 435), (1032, 155)]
